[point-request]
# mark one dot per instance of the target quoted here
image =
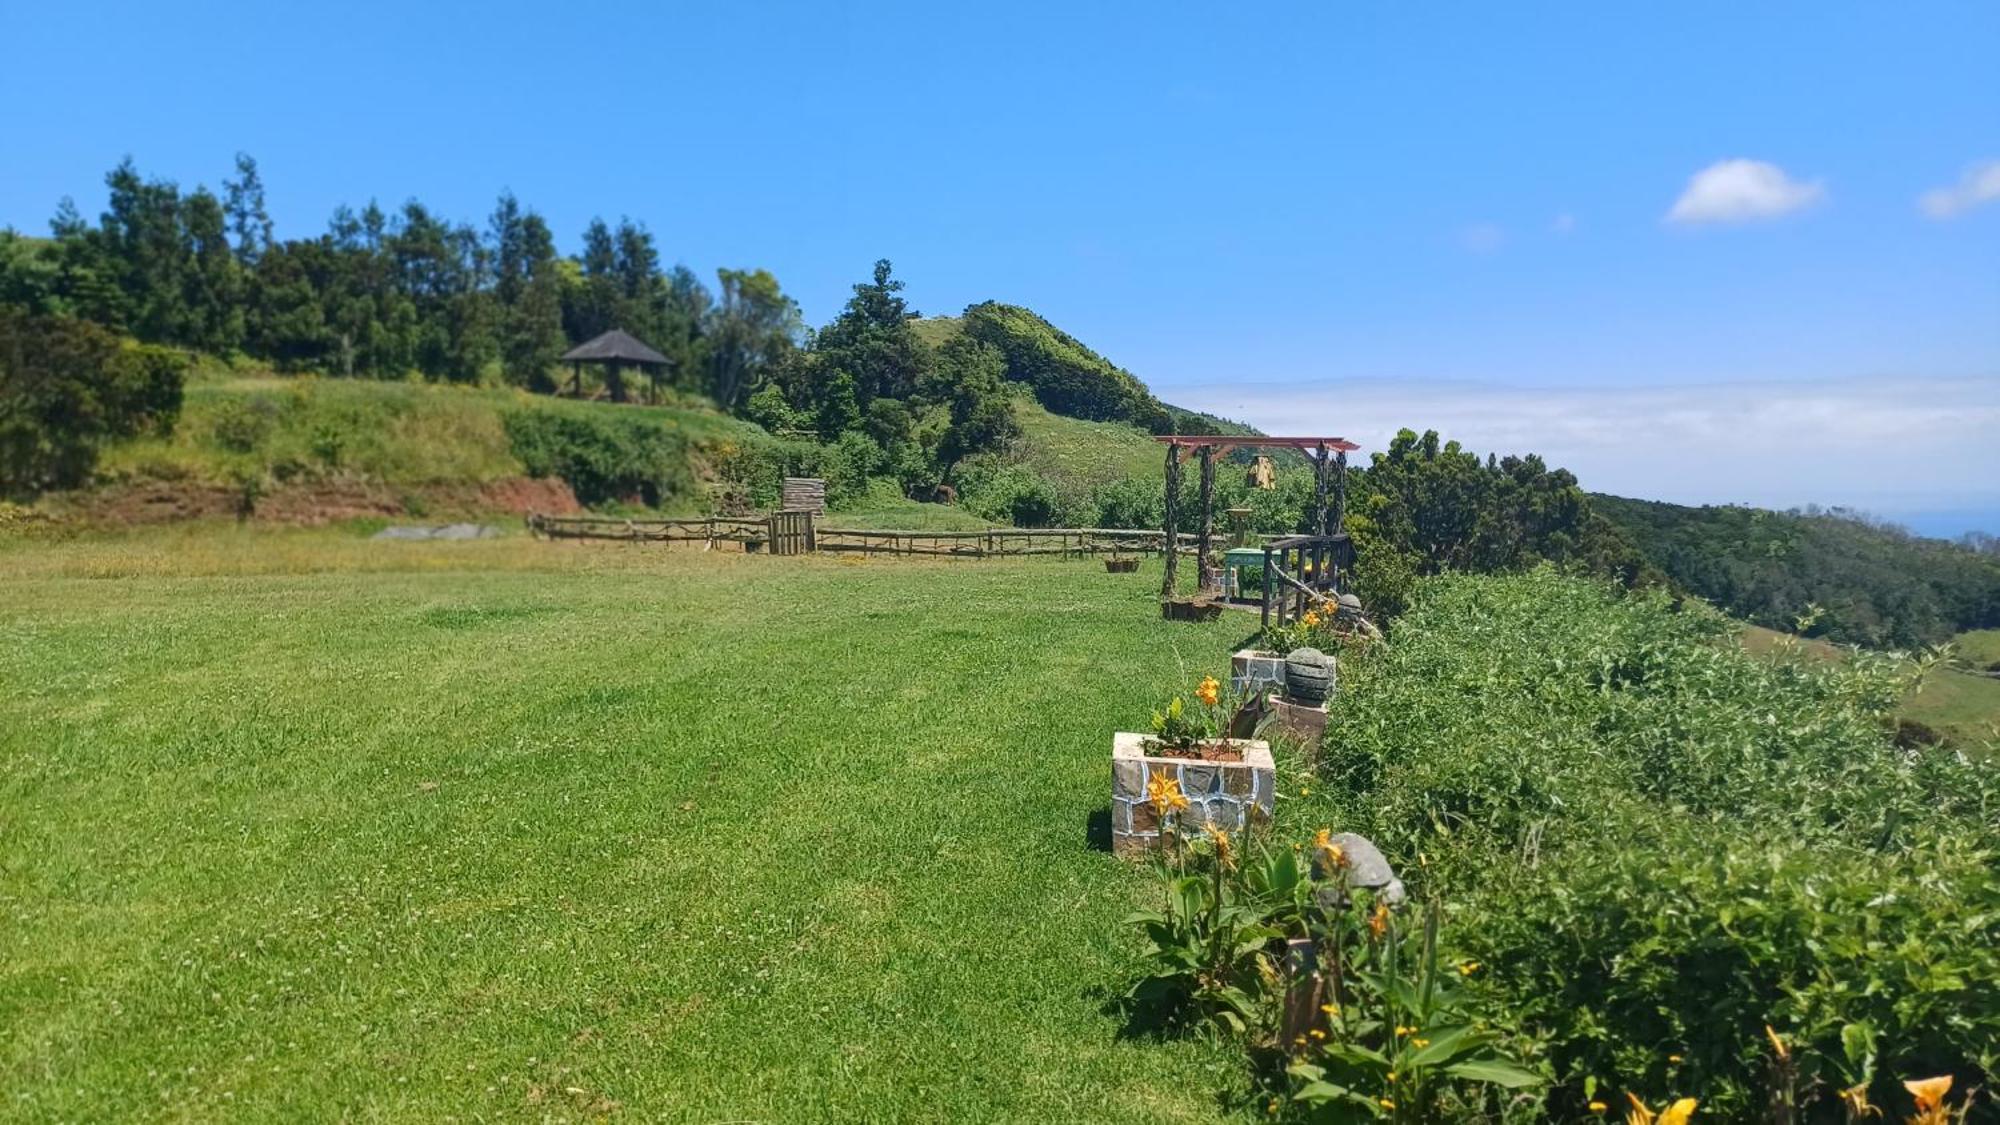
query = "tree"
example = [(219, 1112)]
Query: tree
[(243, 199), (971, 384), (872, 342), (30, 275), (66, 386), (751, 331), (528, 289)]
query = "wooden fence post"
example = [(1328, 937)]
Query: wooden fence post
[(1172, 543)]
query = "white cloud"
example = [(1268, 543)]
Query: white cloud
[(1889, 445), (1979, 186), (1483, 238), (1738, 191), (1564, 224)]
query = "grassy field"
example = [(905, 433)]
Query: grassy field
[(1952, 701), (301, 826)]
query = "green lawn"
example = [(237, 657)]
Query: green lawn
[(299, 826)]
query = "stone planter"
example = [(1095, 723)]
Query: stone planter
[(1190, 609), (1297, 723), (1229, 795), (1255, 670)]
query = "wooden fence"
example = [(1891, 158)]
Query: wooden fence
[(715, 529), (995, 542), (790, 533)]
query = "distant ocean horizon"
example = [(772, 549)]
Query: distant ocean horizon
[(1950, 523)]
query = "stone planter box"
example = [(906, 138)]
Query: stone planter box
[(1229, 795), (1298, 723), (1190, 609), (1255, 670)]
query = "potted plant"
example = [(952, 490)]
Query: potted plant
[(1192, 772)]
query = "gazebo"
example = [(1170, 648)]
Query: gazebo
[(614, 351), (1299, 569)]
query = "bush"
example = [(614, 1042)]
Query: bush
[(1016, 495), (66, 388), (602, 458), (1129, 503), (1658, 843)]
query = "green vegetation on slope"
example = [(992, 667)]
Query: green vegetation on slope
[(1066, 376), (1872, 585), (1654, 843), (1955, 700), (476, 834)]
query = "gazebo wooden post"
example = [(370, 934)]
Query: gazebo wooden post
[(1172, 543), (1339, 494), (1204, 569)]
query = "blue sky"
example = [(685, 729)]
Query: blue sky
[(1344, 217)]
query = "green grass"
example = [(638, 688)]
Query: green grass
[(1979, 647), (1080, 455), (301, 826), (393, 432), (888, 509), (1956, 703)]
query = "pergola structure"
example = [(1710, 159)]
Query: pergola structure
[(1305, 565), (614, 351)]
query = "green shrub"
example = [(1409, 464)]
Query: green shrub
[(602, 457), (1660, 843)]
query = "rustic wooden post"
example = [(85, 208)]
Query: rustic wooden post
[(1204, 569), (1339, 494), (1267, 586), (1320, 466), (1172, 542)]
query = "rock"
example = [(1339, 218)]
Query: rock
[(448, 531), (1366, 868)]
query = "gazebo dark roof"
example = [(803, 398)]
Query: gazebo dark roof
[(615, 346)]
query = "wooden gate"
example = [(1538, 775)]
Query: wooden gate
[(792, 533)]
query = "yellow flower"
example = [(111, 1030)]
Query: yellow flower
[(1209, 691), (1316, 1033), (1164, 792), (1777, 1044), (1675, 1114), (1419, 1042), (1330, 853), (1378, 922), (1930, 1093), (1467, 968), (1386, 1103), (1311, 619), (1598, 1107), (1673, 1058), (1855, 1098), (1402, 1031), (1220, 839)]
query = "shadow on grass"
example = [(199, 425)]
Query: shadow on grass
[(1097, 830)]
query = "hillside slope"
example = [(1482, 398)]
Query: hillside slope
[(308, 450), (1845, 579)]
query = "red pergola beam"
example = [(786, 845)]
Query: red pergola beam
[(1337, 444)]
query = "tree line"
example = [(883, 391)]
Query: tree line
[(389, 294)]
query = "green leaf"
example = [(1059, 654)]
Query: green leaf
[(1494, 1073)]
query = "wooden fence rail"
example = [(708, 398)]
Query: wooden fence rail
[(797, 532)]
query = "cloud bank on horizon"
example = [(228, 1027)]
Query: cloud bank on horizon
[(1890, 446)]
